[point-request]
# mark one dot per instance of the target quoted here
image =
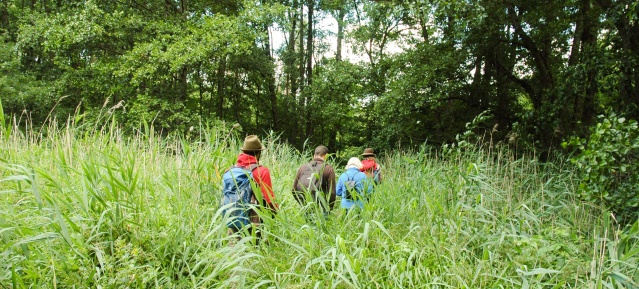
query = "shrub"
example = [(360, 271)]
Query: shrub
[(607, 167)]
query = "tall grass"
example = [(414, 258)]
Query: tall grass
[(99, 209)]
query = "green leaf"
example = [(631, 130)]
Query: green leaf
[(540, 271)]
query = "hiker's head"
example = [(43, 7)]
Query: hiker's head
[(252, 146), (321, 151), (354, 163), (368, 153)]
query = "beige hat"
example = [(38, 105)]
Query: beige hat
[(354, 163), (252, 143)]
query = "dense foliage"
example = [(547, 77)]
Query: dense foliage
[(105, 210), (607, 166), (345, 73), (164, 80)]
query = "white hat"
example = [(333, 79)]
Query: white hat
[(354, 163)]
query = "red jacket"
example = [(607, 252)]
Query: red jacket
[(262, 177), (369, 165)]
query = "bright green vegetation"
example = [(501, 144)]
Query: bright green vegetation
[(101, 210)]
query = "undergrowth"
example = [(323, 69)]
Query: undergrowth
[(104, 210)]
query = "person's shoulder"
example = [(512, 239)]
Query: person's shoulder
[(311, 162), (261, 168), (306, 165), (360, 175)]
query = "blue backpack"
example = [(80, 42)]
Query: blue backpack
[(236, 190), (354, 189)]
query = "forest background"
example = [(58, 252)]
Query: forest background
[(390, 74)]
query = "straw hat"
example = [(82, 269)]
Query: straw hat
[(354, 163), (252, 143), (368, 152)]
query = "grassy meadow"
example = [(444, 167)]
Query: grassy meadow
[(97, 209)]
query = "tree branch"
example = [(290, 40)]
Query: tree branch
[(521, 82)]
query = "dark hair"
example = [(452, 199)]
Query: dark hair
[(321, 151), (253, 153)]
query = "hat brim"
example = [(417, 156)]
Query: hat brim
[(252, 150), (368, 155)]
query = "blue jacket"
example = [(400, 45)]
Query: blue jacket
[(360, 178)]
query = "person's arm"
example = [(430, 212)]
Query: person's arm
[(262, 177), (339, 188), (330, 178), (297, 179)]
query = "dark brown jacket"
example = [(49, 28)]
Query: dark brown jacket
[(327, 184)]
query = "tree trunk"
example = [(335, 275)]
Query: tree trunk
[(576, 40), (422, 25), (4, 16), (585, 111), (200, 84), (183, 85), (221, 87), (236, 97), (257, 106), (341, 14), (309, 43), (290, 59), (332, 138), (270, 80), (299, 110), (477, 74), (340, 33), (309, 68), (301, 54)]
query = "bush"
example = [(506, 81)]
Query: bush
[(607, 167)]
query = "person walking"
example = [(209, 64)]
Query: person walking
[(353, 185), (263, 197), (370, 167), (316, 179)]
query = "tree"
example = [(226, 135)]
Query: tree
[(543, 70), (624, 39), (377, 26)]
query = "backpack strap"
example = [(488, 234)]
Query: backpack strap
[(252, 167), (350, 178), (312, 165), (315, 165)]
